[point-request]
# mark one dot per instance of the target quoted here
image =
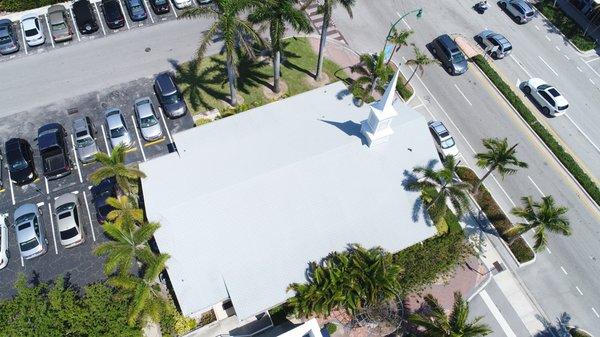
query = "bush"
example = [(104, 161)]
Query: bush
[(279, 313), (404, 89), (565, 158), (175, 324), (207, 318), (566, 25), (22, 5), (331, 328), (574, 332), (499, 220)]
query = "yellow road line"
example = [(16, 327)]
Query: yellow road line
[(155, 141)]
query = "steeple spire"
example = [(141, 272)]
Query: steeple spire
[(377, 128)]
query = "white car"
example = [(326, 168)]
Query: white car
[(550, 99), (180, 4), (4, 254), (444, 143), (117, 129), (147, 119), (34, 32), (67, 211)]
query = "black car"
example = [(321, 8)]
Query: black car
[(160, 6), (106, 188), (54, 151), (136, 9), (84, 17), (169, 96), (112, 14), (19, 158)]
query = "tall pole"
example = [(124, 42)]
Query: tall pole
[(419, 13)]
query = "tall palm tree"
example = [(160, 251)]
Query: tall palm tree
[(236, 33), (541, 217), (498, 157), (398, 38), (438, 324), (278, 14), (438, 187), (144, 294), (127, 246), (125, 213), (374, 74), (419, 61), (113, 166)]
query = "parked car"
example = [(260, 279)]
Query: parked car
[(521, 10), (19, 158), (495, 43), (112, 14), (136, 9), (160, 6), (1, 171), (9, 43), (31, 234), (169, 96), (181, 4), (84, 17), (70, 230), (54, 151), (147, 119), (447, 51), (204, 2), (117, 128), (106, 188), (444, 142), (85, 142), (4, 253), (34, 31), (60, 23), (550, 99)]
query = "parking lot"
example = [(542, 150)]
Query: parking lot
[(102, 32), (77, 262)]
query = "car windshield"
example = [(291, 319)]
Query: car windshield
[(458, 58), (84, 141), (148, 121), (117, 132), (136, 7), (69, 233), (172, 98), (59, 26), (29, 244), (4, 39), (24, 218), (31, 32), (18, 164), (447, 143), (160, 2), (62, 208), (553, 92)]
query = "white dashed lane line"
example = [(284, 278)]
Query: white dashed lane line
[(520, 65), (595, 312), (579, 290), (583, 133), (463, 95), (547, 38), (547, 65), (563, 270), (536, 186)]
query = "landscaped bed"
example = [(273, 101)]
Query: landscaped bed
[(566, 25)]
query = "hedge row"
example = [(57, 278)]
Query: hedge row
[(23, 5), (566, 25), (565, 158), (499, 220)]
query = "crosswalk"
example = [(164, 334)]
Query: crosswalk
[(317, 21)]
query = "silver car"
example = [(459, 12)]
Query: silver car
[(31, 235), (495, 44), (117, 129), (67, 212), (85, 142), (8, 39), (60, 26), (4, 254), (147, 119)]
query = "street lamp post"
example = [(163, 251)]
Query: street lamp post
[(419, 14)]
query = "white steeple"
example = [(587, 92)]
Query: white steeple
[(377, 128)]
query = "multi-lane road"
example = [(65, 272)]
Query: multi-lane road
[(564, 278)]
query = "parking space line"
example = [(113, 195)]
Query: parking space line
[(463, 95), (174, 12), (162, 117), (108, 150), (547, 65), (12, 193), (100, 18), (23, 35), (149, 10), (87, 206), (47, 188), (124, 14), (49, 30), (135, 127), (536, 186), (52, 224), (76, 159), (22, 261), (75, 28)]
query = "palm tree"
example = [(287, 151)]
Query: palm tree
[(438, 324), (498, 157), (236, 33), (374, 74), (398, 38), (438, 187), (144, 294), (419, 61), (279, 13), (127, 246), (113, 166), (541, 217), (125, 213)]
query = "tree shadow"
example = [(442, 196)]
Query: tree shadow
[(288, 56), (200, 81), (418, 209), (558, 329)]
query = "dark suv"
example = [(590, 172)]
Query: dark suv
[(84, 17), (160, 6), (112, 14), (19, 158), (105, 189), (53, 150), (447, 51), (169, 96)]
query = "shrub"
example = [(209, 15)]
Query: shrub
[(22, 5), (565, 158), (175, 324), (566, 25), (202, 121), (404, 89), (207, 318), (331, 328), (574, 332), (499, 220)]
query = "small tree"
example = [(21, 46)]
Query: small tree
[(373, 72), (498, 157), (398, 38), (125, 212), (113, 166), (420, 61)]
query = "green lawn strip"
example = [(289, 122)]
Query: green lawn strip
[(566, 25), (22, 5), (499, 220), (565, 158), (405, 91)]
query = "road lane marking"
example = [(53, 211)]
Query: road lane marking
[(427, 108), (49, 30), (52, 224), (87, 206), (592, 81), (418, 106), (557, 48), (108, 150), (47, 188), (548, 250), (76, 159), (580, 70), (547, 65), (536, 27), (12, 193), (124, 17), (589, 66), (163, 118), (547, 38), (463, 95), (536, 186), (101, 24), (563, 270), (404, 21), (595, 312), (592, 60), (503, 191), (75, 28), (497, 314), (519, 64), (578, 290), (135, 127), (583, 133), (23, 35), (567, 57)]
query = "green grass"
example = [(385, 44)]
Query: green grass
[(566, 25), (22, 5), (205, 87)]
